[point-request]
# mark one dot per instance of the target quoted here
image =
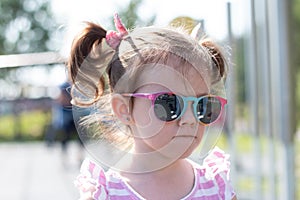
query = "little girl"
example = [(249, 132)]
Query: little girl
[(161, 86)]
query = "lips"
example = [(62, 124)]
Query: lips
[(184, 136)]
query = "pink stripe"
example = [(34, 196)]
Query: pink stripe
[(212, 197), (98, 192), (201, 176), (127, 197), (102, 178), (101, 185), (219, 154), (211, 164), (201, 172), (91, 167), (206, 185), (115, 185), (221, 184)]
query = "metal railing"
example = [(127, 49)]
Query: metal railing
[(17, 60)]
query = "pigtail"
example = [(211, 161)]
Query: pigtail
[(217, 57), (87, 64)]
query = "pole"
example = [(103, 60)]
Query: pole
[(231, 98), (282, 82)]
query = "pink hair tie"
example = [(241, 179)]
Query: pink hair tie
[(114, 38)]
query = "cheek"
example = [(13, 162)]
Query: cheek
[(145, 122), (184, 147), (165, 144), (200, 132), (159, 141), (141, 112)]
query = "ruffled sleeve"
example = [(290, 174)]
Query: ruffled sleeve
[(217, 168), (91, 182)]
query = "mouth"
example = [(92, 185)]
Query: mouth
[(184, 136)]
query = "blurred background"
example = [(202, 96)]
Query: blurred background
[(39, 149)]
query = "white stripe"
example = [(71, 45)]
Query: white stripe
[(118, 192), (206, 192), (113, 179), (228, 192), (204, 180), (97, 171), (133, 191), (103, 195)]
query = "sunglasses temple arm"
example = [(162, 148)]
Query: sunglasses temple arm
[(223, 101), (140, 95)]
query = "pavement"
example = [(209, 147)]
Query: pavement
[(35, 171)]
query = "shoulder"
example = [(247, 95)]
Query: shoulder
[(95, 183), (215, 162), (91, 182), (213, 174)]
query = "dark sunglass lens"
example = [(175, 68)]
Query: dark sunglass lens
[(167, 107), (208, 109)]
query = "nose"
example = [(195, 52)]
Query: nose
[(188, 117)]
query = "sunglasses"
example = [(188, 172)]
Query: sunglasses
[(169, 106)]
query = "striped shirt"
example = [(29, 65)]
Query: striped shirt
[(211, 181)]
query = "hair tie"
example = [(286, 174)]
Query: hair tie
[(114, 38)]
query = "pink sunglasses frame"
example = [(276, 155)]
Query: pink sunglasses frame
[(153, 96)]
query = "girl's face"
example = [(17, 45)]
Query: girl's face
[(177, 138)]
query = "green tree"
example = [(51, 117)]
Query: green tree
[(184, 22), (295, 51), (25, 26), (130, 17)]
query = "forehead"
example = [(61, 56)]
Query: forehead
[(184, 80)]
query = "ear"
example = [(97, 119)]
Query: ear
[(120, 106)]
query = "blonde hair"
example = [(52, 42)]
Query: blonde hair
[(95, 68)]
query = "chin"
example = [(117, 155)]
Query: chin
[(187, 154), (190, 150), (177, 154)]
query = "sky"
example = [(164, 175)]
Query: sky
[(71, 13)]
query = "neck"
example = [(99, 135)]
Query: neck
[(173, 181), (166, 172), (141, 163)]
